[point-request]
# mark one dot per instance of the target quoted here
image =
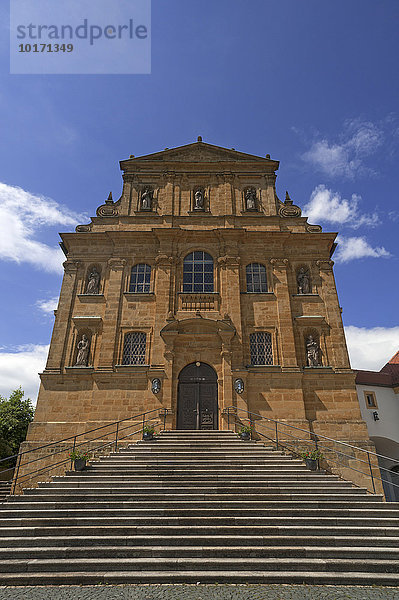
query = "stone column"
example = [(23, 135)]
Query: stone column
[(285, 323), (333, 313), (56, 355), (112, 313)]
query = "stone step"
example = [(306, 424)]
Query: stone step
[(197, 530), (251, 470), (183, 446), (242, 471), (272, 494), (194, 519), (187, 509), (150, 474), (199, 576), (203, 479), (150, 485), (170, 501), (178, 551), (202, 563), (202, 541)]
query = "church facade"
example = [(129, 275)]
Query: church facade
[(198, 290)]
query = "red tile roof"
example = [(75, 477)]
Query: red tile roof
[(388, 376)]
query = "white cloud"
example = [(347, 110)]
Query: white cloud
[(345, 156), (326, 205), (48, 306), (21, 368), (351, 248), (371, 349), (22, 214)]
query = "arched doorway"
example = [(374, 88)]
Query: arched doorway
[(197, 399)]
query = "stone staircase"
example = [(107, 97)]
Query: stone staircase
[(198, 507), (5, 489)]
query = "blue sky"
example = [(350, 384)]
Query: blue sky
[(312, 82)]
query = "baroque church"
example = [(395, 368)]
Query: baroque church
[(197, 291)]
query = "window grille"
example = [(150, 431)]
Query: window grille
[(140, 279), (198, 273), (261, 348), (256, 278), (134, 348)]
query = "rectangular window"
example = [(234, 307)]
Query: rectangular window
[(261, 348), (140, 279), (134, 348), (370, 399)]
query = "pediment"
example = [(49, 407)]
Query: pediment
[(198, 325), (201, 152)]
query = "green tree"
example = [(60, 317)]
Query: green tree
[(16, 412)]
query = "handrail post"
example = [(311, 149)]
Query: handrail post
[(371, 470), (16, 473), (73, 449), (144, 414), (276, 435), (228, 418), (116, 437), (164, 419)]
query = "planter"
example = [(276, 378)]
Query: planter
[(245, 435), (311, 463), (79, 464), (148, 436)]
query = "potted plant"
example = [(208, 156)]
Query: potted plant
[(148, 432), (79, 459), (245, 432), (311, 458)]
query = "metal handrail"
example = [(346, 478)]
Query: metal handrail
[(161, 413), (316, 438)]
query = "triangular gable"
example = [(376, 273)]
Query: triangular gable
[(203, 152)]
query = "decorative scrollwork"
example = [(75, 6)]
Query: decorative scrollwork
[(289, 210), (83, 228), (313, 228), (106, 210)]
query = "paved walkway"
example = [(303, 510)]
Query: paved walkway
[(199, 592)]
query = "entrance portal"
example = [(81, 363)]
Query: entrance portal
[(197, 402)]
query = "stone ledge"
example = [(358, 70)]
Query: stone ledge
[(91, 297), (307, 296), (132, 296), (264, 368), (266, 294)]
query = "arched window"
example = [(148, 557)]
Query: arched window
[(260, 345), (134, 348), (256, 278), (140, 279), (198, 272)]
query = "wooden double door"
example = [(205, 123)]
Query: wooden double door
[(197, 404)]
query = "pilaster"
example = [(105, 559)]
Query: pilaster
[(285, 322), (333, 312), (112, 314), (56, 356)]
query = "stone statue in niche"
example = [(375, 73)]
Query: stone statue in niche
[(199, 202), (83, 352), (250, 199), (146, 199), (156, 386), (239, 386), (93, 283), (312, 352), (303, 281)]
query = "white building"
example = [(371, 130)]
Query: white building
[(378, 394)]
